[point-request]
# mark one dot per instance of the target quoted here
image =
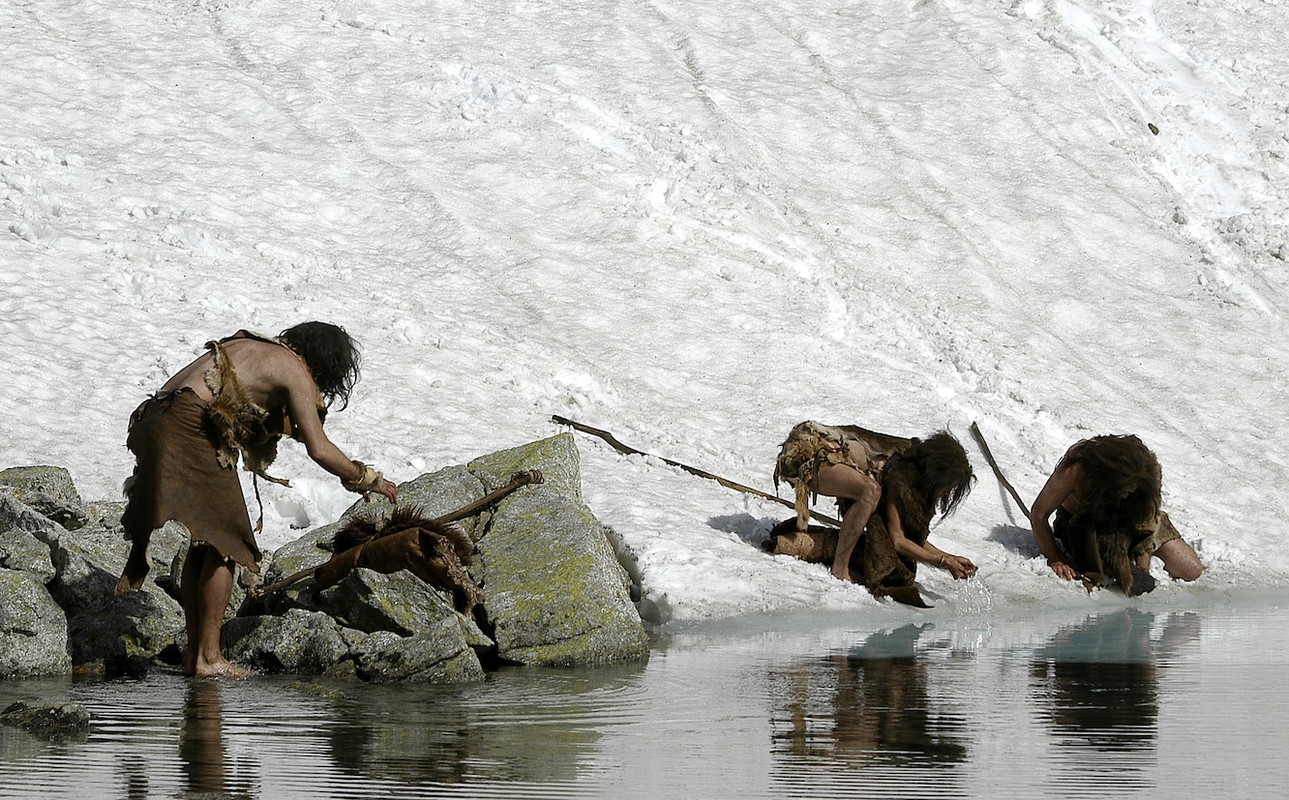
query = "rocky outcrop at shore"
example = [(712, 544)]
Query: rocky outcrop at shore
[(554, 592)]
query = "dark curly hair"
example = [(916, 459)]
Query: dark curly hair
[(331, 355)]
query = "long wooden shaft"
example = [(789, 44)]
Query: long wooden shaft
[(989, 456), (727, 483)]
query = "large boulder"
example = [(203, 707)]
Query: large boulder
[(33, 630), (17, 515), (108, 632), (431, 656), (22, 551), (555, 592), (306, 642), (382, 627)]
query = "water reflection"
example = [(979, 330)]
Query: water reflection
[(381, 737), (544, 727), (1097, 685), (1032, 705), (869, 706), (202, 751)]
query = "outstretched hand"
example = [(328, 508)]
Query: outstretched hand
[(387, 488), (960, 566)]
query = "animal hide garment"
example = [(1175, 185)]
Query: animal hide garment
[(884, 573)]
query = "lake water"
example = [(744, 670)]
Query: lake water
[(1110, 699)]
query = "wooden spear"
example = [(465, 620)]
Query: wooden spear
[(726, 482), (998, 473)]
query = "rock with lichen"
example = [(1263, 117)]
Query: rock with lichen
[(554, 591)]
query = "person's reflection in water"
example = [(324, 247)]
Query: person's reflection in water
[(201, 744), (1100, 684), (880, 712)]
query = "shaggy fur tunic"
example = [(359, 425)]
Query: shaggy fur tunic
[(1117, 518)]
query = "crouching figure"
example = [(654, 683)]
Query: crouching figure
[(1105, 492), (888, 490)]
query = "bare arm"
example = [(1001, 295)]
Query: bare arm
[(293, 379), (927, 553), (1056, 491)]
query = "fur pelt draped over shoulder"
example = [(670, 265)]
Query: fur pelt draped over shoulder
[(435, 552)]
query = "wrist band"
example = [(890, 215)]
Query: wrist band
[(367, 482)]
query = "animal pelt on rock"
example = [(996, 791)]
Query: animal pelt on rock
[(433, 551)]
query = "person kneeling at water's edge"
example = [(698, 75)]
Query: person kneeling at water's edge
[(236, 400), (888, 490), (1105, 492)]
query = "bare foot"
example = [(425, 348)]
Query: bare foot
[(220, 669), (841, 572)]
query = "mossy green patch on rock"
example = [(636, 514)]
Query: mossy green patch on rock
[(556, 457), (33, 630), (556, 593)]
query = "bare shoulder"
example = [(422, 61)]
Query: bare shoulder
[(1063, 482), (268, 368)]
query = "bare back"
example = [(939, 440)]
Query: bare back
[(277, 380)]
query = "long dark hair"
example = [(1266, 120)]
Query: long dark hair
[(933, 473), (1122, 480), (331, 355)]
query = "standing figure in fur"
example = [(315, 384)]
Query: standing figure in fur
[(235, 401), (889, 486), (1105, 492)]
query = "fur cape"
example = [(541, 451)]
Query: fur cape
[(1118, 510), (435, 552), (811, 445)]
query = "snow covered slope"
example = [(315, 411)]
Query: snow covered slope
[(692, 223)]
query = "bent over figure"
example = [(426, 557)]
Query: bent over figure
[(887, 485), (1105, 492), (236, 400)]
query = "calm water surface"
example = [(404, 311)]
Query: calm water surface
[(1117, 701)]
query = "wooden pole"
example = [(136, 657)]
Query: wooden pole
[(989, 456), (727, 483)]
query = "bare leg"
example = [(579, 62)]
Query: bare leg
[(1180, 560), (188, 598), (206, 588), (839, 480)]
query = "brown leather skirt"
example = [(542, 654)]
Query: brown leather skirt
[(178, 477)]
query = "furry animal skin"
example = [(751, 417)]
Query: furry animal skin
[(435, 552)]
